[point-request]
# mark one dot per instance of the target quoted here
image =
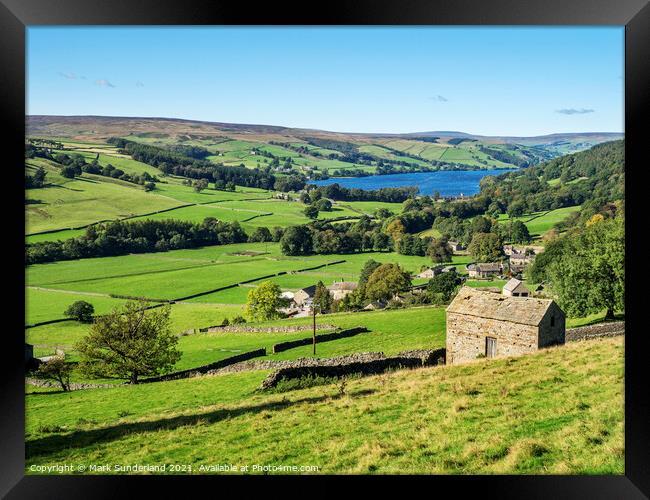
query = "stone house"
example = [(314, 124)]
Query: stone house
[(486, 324), (455, 246), (515, 288), (302, 296), (429, 273), (340, 289), (485, 270)]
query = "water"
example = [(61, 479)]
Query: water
[(446, 182)]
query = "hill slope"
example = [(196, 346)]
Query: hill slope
[(536, 414)]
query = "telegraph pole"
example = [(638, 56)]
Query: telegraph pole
[(313, 308)]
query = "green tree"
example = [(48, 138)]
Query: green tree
[(311, 211), (130, 342), (264, 301), (296, 240), (323, 205), (589, 274), (439, 250), (200, 184), (519, 232), (444, 285), (260, 235), (386, 281), (56, 369), (80, 310), (486, 247), (322, 298)]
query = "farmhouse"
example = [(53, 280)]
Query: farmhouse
[(340, 289), (429, 273), (486, 324), (456, 247), (515, 288), (304, 294), (485, 270)]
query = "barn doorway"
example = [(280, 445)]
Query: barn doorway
[(490, 347)]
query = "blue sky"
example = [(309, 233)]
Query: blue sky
[(519, 81)]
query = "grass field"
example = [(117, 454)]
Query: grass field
[(67, 203), (535, 414), (540, 222)]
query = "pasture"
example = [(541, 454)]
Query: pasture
[(535, 414)]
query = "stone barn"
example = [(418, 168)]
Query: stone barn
[(485, 324)]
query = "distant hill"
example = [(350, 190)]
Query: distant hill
[(350, 154)]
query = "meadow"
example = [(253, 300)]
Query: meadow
[(534, 414)]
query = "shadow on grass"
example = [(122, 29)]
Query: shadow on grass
[(82, 438)]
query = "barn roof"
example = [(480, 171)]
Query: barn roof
[(522, 310), (512, 285), (343, 285)]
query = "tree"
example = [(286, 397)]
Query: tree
[(519, 232), (589, 273), (516, 209), (130, 342), (439, 250), (260, 235), (395, 230), (311, 211), (56, 369), (149, 186), (200, 184), (323, 205), (486, 247), (264, 301), (80, 310), (322, 298), (69, 172), (444, 285), (386, 281), (296, 240)]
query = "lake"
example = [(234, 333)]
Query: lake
[(446, 182)]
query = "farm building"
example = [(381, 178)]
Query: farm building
[(487, 324), (428, 273), (486, 270), (340, 289), (515, 288), (304, 294), (456, 247)]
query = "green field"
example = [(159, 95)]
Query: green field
[(540, 222), (535, 414), (67, 203)]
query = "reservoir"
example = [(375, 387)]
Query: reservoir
[(446, 182)]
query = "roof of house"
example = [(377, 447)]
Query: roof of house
[(513, 284), (343, 285), (489, 266), (522, 310), (310, 290)]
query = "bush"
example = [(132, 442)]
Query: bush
[(80, 310)]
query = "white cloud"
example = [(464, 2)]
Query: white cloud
[(104, 83)]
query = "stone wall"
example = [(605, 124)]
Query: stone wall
[(466, 337), (327, 337), (608, 329), (271, 329), (192, 372), (358, 364), (552, 332)]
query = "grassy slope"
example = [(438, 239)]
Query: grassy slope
[(534, 414)]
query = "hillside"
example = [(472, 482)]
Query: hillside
[(310, 151), (535, 414)]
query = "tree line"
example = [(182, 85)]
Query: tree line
[(137, 236)]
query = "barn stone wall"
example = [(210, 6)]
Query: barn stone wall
[(466, 337), (552, 334)]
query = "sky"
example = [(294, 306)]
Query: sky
[(516, 81)]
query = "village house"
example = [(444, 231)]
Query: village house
[(340, 289), (429, 273), (485, 270), (455, 246), (515, 288), (485, 324), (304, 295)]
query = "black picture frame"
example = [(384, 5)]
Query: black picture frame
[(15, 15)]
